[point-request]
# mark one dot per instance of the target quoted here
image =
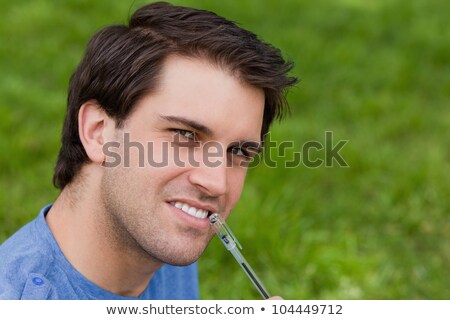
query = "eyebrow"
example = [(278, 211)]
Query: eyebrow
[(189, 123), (207, 131)]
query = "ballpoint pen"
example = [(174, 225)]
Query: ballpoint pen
[(232, 244)]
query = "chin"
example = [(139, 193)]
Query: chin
[(177, 256), (180, 261), (180, 251)]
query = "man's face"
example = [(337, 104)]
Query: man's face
[(160, 210)]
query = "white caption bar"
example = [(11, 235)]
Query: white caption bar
[(227, 309)]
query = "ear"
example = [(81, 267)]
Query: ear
[(93, 124)]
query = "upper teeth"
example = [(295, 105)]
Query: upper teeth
[(193, 211)]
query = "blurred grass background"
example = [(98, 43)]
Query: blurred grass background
[(376, 73)]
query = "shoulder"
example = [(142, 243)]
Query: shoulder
[(24, 260)]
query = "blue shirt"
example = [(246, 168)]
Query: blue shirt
[(32, 266)]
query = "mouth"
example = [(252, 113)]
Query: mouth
[(200, 213)]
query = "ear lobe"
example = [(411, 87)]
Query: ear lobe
[(92, 121)]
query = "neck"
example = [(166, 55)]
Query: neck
[(83, 232)]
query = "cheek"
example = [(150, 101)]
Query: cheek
[(148, 165), (151, 155), (236, 184)]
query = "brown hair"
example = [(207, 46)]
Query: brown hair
[(122, 63)]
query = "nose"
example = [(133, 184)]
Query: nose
[(210, 176)]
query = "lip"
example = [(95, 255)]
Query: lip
[(201, 224)]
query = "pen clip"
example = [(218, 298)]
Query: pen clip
[(222, 225), (231, 234)]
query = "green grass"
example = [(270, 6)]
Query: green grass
[(374, 73)]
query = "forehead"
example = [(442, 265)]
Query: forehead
[(200, 91)]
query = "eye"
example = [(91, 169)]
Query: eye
[(190, 135), (239, 156), (185, 138), (241, 152)]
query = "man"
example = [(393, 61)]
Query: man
[(168, 87)]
